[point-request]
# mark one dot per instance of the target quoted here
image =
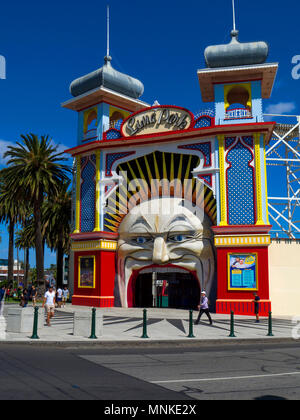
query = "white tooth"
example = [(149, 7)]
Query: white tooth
[(163, 270)]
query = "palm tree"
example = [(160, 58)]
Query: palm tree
[(11, 212), (35, 170), (57, 217), (25, 240)]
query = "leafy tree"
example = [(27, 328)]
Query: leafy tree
[(25, 240), (35, 171), (57, 216), (12, 209)]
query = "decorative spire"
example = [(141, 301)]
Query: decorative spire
[(108, 77), (107, 58), (233, 11), (107, 53), (236, 53)]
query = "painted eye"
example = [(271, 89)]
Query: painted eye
[(141, 240), (178, 238)]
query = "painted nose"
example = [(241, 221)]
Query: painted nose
[(160, 252)]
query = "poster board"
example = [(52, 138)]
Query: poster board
[(86, 272), (242, 272)]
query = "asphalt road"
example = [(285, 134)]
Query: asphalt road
[(248, 372)]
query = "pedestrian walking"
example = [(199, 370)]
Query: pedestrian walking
[(65, 296), (59, 295), (49, 305), (204, 308), (2, 297), (256, 307), (34, 296), (24, 298)]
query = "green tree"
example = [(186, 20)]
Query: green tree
[(12, 210), (25, 240), (57, 216), (35, 171)]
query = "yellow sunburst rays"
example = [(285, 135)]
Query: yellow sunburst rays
[(118, 209), (165, 181), (210, 205), (172, 176), (156, 181), (189, 183), (178, 181), (135, 183), (152, 185)]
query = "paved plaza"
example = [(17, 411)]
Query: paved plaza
[(163, 325)]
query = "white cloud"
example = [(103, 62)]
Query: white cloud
[(3, 148), (5, 144), (281, 108)]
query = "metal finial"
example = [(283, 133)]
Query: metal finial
[(233, 11), (107, 53)]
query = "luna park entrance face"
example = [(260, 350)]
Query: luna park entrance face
[(167, 290)]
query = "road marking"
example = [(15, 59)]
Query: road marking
[(225, 379)]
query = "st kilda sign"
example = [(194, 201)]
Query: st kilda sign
[(157, 119)]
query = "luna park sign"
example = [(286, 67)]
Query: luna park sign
[(157, 119)]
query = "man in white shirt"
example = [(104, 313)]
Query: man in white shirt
[(59, 297), (49, 304)]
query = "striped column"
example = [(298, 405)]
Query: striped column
[(97, 195), (223, 221), (259, 203), (78, 187)]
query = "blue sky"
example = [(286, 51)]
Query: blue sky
[(48, 44)]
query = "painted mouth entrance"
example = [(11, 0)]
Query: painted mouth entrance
[(176, 290)]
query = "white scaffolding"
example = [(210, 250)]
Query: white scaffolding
[(283, 165)]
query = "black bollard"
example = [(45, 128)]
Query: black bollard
[(191, 326), (145, 324), (270, 331), (232, 325), (93, 329), (35, 324)]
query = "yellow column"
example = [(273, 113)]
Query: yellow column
[(78, 187), (266, 182), (259, 203), (97, 195), (223, 221)]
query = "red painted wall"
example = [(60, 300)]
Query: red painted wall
[(263, 273), (102, 294)]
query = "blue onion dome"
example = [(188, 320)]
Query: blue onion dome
[(109, 78), (236, 53)]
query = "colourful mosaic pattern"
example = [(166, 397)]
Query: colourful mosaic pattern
[(112, 134), (240, 186), (111, 158), (207, 179), (203, 122), (249, 141), (88, 193), (204, 148), (229, 141)]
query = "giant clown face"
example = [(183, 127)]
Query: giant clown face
[(162, 233)]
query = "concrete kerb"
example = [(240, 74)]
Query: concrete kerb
[(184, 343)]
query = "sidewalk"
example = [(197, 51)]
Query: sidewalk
[(164, 325)]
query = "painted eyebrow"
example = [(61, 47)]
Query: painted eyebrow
[(179, 218), (141, 220)]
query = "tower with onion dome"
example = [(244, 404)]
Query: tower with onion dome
[(169, 204), (237, 79)]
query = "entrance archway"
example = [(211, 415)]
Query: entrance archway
[(166, 290)]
